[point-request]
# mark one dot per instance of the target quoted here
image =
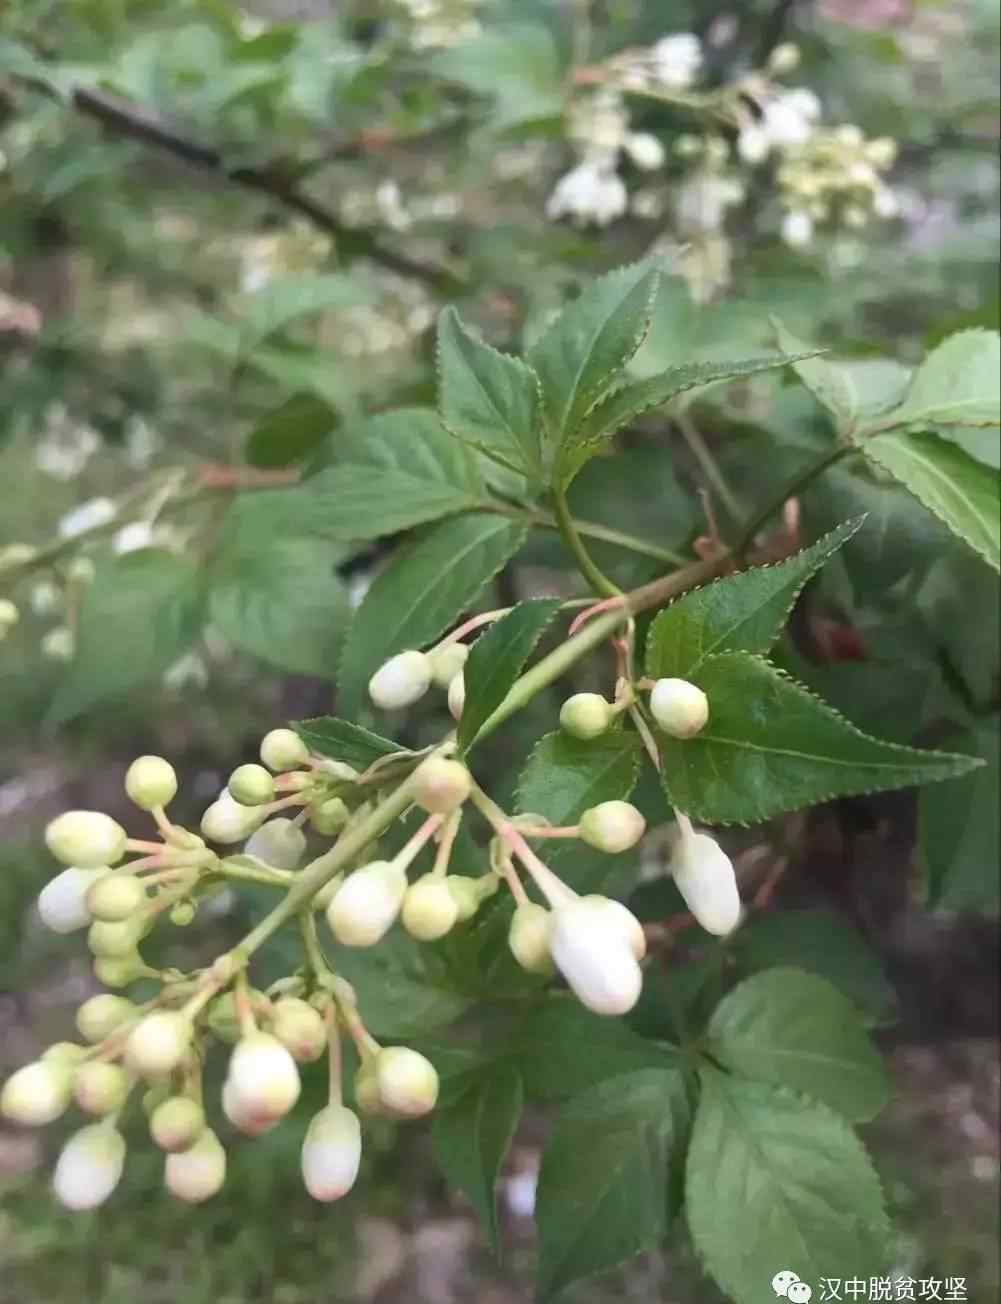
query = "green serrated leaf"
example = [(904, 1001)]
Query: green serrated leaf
[(604, 1187), (474, 1124), (421, 592), (496, 660), (580, 355), (831, 385), (566, 776), (771, 746), (741, 613), (959, 833), (290, 432), (517, 64), (407, 987), (959, 490), (370, 501), (343, 741), (794, 1029), (958, 384), (775, 1181), (141, 612), (488, 399), (411, 441)]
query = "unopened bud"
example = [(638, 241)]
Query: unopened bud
[(176, 1123), (367, 1096), (367, 904), (227, 821), (408, 1083), (329, 817), (327, 893), (100, 1088), (65, 1052), (595, 953), (99, 1016), (281, 749), (681, 709), (401, 681), (457, 696), (263, 1077), (300, 1029), (87, 839), (470, 893), (183, 913), (119, 972), (62, 903), (784, 58), (158, 1043), (241, 1116), (9, 615), (151, 781), (881, 152), (429, 909), (440, 786), (58, 644), (89, 1167), (81, 570), (114, 941), (585, 715), (447, 662), (37, 1094), (251, 785), (612, 826), (115, 897), (331, 1153), (15, 555), (280, 843), (705, 877), (528, 938), (198, 1173)]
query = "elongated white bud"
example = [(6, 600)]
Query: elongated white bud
[(100, 1088), (705, 877), (279, 843), (457, 696), (585, 715), (595, 952), (612, 826), (281, 749), (440, 786), (62, 903), (528, 938), (89, 1167), (227, 821), (263, 1077), (99, 1016), (198, 1173), (177, 1123), (300, 1029), (151, 781), (37, 1093), (331, 1153), (401, 681), (408, 1082), (447, 662), (114, 897), (87, 839), (366, 906), (680, 708), (158, 1043), (429, 909)]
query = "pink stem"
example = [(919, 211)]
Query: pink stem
[(552, 888), (605, 605), (474, 622), (423, 835)]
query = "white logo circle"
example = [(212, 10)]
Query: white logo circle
[(783, 1280), (799, 1293)]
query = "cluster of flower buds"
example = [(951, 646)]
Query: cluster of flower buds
[(834, 176), (59, 593), (405, 678)]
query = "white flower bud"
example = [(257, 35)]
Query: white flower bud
[(612, 826), (784, 58), (114, 941), (882, 152), (62, 903), (645, 150), (885, 203), (158, 1043), (585, 715), (119, 971), (151, 781), (329, 817), (365, 908), (64, 1052), (99, 1016), (528, 938), (227, 821), (263, 1077), (596, 955), (849, 135), (754, 144), (281, 749), (115, 897), (331, 1153), (100, 1088), (89, 1167), (408, 1083), (9, 615), (447, 662), (457, 696), (177, 1123), (429, 909), (38, 1093), (251, 785), (86, 838), (240, 1114), (401, 681), (81, 570), (279, 843), (797, 229), (15, 555), (680, 708), (300, 1029), (705, 878), (198, 1173), (58, 644), (440, 786)]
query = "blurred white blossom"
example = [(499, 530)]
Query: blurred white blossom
[(88, 516)]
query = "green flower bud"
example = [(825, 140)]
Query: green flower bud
[(681, 709), (331, 1153), (114, 941), (89, 1167), (401, 681), (447, 662), (251, 785), (408, 1083), (281, 749), (466, 894), (784, 58), (366, 906), (151, 781), (329, 817), (16, 554), (182, 914), (366, 1087), (99, 1016), (58, 644), (64, 1052), (81, 570), (429, 909), (158, 1043), (115, 897), (37, 1094), (300, 1029), (528, 938), (612, 826), (222, 1018), (176, 1123), (62, 903), (585, 715), (196, 1174), (119, 971), (100, 1088), (440, 786), (9, 615), (86, 839)]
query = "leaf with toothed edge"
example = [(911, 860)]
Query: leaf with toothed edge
[(771, 746), (343, 741), (740, 613)]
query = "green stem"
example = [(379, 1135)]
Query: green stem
[(568, 531), (702, 453), (311, 945), (790, 490), (589, 529)]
